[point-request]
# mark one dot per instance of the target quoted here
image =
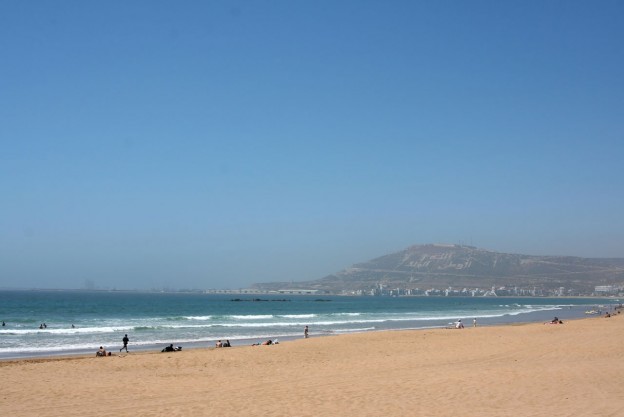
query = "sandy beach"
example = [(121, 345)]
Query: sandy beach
[(572, 369)]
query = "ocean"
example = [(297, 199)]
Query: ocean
[(79, 322)]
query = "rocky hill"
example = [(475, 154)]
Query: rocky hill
[(437, 266)]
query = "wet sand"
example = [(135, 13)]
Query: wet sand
[(572, 369)]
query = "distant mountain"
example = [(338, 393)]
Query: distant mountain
[(436, 266)]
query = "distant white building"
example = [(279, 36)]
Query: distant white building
[(297, 291), (605, 289)]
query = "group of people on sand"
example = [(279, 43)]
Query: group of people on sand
[(616, 310), (102, 352), (460, 325), (306, 334), (170, 348)]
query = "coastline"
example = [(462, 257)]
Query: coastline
[(156, 349), (564, 311), (139, 344), (524, 369)]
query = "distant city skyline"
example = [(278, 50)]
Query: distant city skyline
[(220, 144)]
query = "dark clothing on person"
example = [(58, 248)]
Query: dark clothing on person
[(125, 341)]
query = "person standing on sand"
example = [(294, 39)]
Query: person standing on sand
[(305, 332), (474, 322), (125, 341)]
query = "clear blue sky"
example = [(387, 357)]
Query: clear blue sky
[(215, 144)]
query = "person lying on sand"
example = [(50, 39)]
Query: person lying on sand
[(170, 348), (268, 342), (102, 352), (554, 321)]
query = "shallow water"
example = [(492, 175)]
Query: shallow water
[(153, 320)]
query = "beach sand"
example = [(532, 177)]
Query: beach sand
[(573, 369)]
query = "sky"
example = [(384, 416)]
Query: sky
[(204, 144)]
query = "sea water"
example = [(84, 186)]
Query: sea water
[(81, 321)]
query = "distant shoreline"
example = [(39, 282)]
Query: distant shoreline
[(572, 313), (235, 292)]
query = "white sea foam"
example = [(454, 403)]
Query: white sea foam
[(198, 317), (356, 330), (81, 330), (252, 317)]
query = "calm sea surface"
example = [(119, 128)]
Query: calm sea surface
[(80, 321)]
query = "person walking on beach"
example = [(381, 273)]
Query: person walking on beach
[(125, 341), (305, 332)]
